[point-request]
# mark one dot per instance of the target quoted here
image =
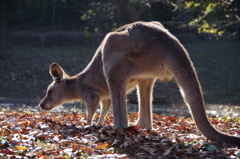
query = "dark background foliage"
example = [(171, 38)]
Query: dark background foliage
[(36, 33)]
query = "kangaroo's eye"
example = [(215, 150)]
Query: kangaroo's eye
[(49, 92)]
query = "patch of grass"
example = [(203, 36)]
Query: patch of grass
[(24, 73), (217, 65)]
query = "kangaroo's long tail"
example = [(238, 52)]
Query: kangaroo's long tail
[(181, 66)]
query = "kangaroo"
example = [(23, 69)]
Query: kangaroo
[(134, 55)]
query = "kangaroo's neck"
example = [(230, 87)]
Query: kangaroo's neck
[(70, 87), (95, 65), (93, 75)]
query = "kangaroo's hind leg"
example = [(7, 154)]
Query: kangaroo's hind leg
[(145, 88), (117, 85)]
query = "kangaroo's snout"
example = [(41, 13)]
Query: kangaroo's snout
[(42, 105)]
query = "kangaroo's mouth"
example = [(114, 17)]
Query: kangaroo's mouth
[(44, 107), (47, 107)]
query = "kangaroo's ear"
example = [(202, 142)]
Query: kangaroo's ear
[(57, 72)]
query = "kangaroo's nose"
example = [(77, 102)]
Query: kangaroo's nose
[(41, 105)]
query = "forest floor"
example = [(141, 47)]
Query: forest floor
[(48, 135)]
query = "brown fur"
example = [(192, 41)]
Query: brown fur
[(134, 55)]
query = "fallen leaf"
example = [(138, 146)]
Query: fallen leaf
[(59, 157), (181, 128), (149, 150), (214, 121), (38, 154), (21, 148), (89, 150), (101, 146), (4, 151), (134, 115)]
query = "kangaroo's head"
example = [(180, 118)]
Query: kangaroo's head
[(56, 94)]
